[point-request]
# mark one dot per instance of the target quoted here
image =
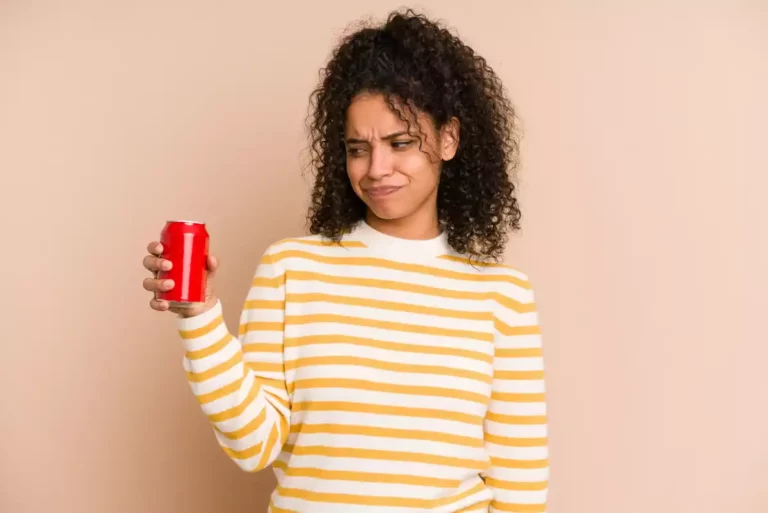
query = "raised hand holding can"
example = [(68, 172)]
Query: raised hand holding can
[(182, 267)]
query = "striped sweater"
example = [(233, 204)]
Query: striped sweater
[(381, 375)]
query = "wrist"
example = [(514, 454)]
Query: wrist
[(196, 310)]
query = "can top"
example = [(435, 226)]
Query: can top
[(184, 221)]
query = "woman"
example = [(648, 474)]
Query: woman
[(387, 363)]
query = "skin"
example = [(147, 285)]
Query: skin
[(394, 175), (394, 171)]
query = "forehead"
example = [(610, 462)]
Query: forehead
[(370, 115)]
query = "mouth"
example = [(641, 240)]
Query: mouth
[(379, 192)]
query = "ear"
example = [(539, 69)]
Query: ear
[(449, 139)]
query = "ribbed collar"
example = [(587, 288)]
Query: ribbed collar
[(401, 249)]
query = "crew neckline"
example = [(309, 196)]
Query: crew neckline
[(383, 244)]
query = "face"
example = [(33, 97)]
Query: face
[(388, 170)]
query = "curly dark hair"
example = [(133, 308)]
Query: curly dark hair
[(416, 63)]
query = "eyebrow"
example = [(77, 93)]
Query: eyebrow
[(389, 137)]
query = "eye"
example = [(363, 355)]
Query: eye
[(355, 152), (401, 145)]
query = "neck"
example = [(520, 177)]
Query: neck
[(418, 226), (403, 239)]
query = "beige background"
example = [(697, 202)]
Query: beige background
[(645, 234)]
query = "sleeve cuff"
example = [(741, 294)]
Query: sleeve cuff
[(198, 321)]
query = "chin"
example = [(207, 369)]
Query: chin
[(388, 213)]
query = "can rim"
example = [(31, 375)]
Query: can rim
[(184, 221)]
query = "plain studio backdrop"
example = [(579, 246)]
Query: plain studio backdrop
[(643, 188)]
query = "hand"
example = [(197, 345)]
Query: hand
[(154, 263)]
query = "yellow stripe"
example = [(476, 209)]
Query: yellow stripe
[(519, 464), (262, 348), (519, 508), (398, 286), (264, 304), (515, 306), (323, 243), (268, 283), (197, 377), (399, 411), (507, 330), (235, 386), (203, 330), (388, 285), (221, 392), (402, 434), (381, 455), (260, 326), (519, 375), (518, 486), (392, 388), (247, 429), (283, 402), (516, 420), (275, 509), (515, 442), (244, 454), (365, 477), (393, 346), (399, 266), (271, 441), (518, 398), (528, 352), (389, 305), (387, 366), (481, 507), (277, 384), (259, 367), (374, 500), (236, 411), (297, 320), (212, 349)]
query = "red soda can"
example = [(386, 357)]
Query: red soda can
[(185, 244)]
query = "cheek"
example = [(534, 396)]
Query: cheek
[(355, 172), (421, 173)]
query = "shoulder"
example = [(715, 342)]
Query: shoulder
[(510, 287), (481, 268), (312, 241), (311, 247)]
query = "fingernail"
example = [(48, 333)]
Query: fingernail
[(168, 285), (167, 265)]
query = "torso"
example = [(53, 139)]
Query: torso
[(388, 363)]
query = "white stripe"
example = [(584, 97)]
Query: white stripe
[(384, 376), (406, 337), (404, 316), (386, 355), (448, 427)]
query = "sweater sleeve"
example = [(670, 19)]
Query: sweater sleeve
[(240, 382), (516, 424)]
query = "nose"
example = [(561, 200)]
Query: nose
[(380, 163)]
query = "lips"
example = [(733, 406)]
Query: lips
[(378, 192)]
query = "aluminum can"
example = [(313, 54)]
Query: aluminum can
[(185, 244)]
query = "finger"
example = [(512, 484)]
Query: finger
[(153, 285), (159, 305), (155, 248), (154, 263), (213, 263)]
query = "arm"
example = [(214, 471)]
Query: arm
[(240, 382), (516, 425)]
